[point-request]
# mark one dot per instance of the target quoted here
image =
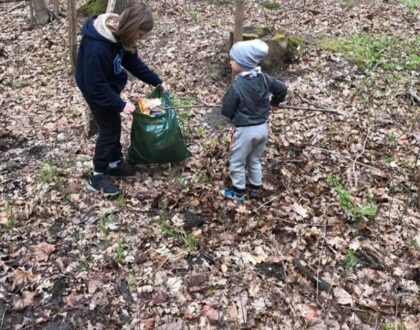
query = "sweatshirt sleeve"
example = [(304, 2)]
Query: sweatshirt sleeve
[(230, 102), (278, 89), (97, 85), (135, 65)]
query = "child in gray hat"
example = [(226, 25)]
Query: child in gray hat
[(247, 103)]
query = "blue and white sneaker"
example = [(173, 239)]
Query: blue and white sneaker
[(231, 194)]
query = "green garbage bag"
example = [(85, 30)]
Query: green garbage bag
[(157, 139)]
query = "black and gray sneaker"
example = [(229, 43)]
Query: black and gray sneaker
[(122, 170), (101, 182), (254, 191)]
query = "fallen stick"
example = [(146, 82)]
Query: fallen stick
[(317, 281), (204, 104), (414, 96), (295, 107)]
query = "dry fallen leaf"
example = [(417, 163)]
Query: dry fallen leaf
[(299, 209), (147, 324), (21, 277), (26, 299), (342, 296), (311, 314), (73, 299), (94, 284), (212, 314), (3, 218), (42, 251)]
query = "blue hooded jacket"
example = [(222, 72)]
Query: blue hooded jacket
[(247, 101), (101, 70)]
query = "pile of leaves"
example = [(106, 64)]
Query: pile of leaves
[(333, 242)]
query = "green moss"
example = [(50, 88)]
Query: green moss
[(271, 5), (249, 36), (295, 41), (347, 4), (262, 31), (279, 36), (411, 5), (367, 52), (93, 7)]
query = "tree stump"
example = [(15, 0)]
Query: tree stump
[(93, 7), (42, 14), (283, 47)]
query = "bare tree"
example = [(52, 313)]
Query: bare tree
[(56, 8), (72, 16), (239, 21)]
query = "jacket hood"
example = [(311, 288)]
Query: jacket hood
[(89, 30)]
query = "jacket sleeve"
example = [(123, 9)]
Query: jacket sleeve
[(97, 86), (135, 65), (278, 89), (230, 102)]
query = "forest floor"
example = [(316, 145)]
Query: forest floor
[(333, 242)]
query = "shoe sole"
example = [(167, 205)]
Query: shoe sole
[(121, 176), (91, 188)]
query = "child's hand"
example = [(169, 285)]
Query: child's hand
[(129, 108)]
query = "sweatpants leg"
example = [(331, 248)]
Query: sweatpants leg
[(108, 145), (246, 141), (253, 161)]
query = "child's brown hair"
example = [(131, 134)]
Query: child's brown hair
[(137, 17)]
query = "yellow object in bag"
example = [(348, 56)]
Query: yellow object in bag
[(148, 105)]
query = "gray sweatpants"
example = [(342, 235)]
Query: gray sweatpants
[(245, 153)]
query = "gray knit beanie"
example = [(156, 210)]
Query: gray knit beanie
[(249, 53)]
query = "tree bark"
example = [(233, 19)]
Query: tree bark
[(56, 8), (72, 15), (42, 14), (111, 5), (417, 178), (239, 20)]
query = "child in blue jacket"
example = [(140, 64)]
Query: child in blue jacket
[(106, 52), (247, 103)]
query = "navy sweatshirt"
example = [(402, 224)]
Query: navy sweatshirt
[(247, 101), (100, 73)]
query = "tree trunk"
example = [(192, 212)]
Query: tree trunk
[(72, 15), (42, 14), (417, 182), (91, 128), (239, 20), (110, 7), (56, 8)]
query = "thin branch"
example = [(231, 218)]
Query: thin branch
[(207, 104), (410, 192), (320, 283), (295, 107), (333, 152), (291, 307), (319, 260), (268, 202), (21, 5), (125, 128), (358, 156)]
